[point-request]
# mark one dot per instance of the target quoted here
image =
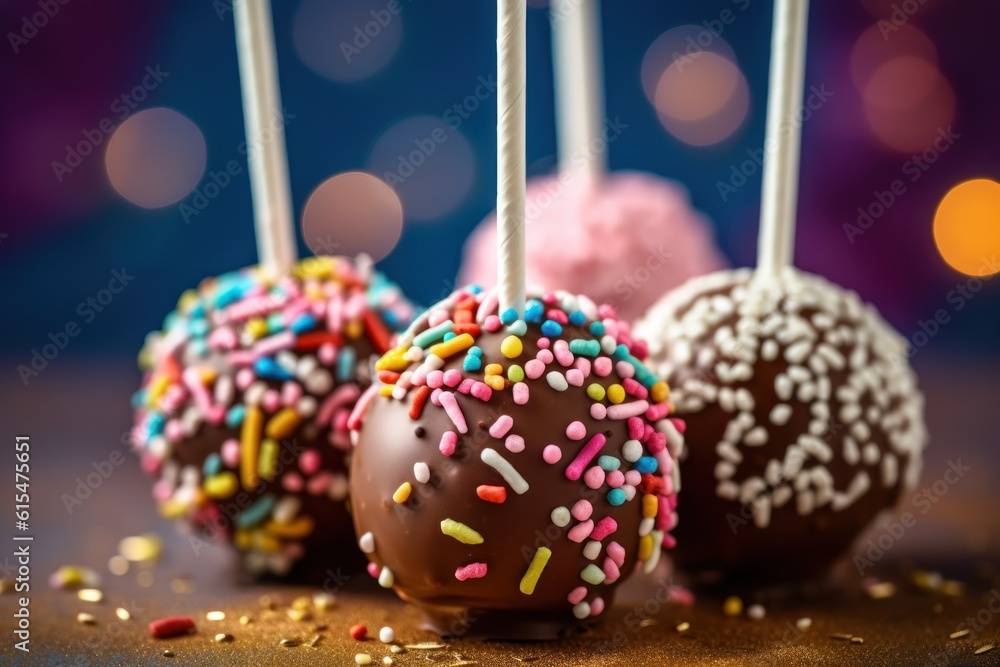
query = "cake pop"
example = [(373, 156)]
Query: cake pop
[(510, 472), (242, 416), (804, 419), (634, 235)]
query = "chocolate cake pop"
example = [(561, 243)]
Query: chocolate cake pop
[(508, 473), (803, 417), (242, 416)]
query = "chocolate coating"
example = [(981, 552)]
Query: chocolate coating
[(424, 562), (804, 421)]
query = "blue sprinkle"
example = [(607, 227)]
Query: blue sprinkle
[(199, 347), (448, 336), (534, 311), (646, 465), (234, 416), (518, 328), (577, 318), (303, 323), (475, 289), (587, 348), (266, 367), (426, 338), (212, 464), (275, 322), (228, 296), (345, 364), (476, 351), (471, 363), (154, 424), (138, 399), (508, 316), (257, 512), (597, 328), (615, 497), (642, 374), (551, 328), (198, 327), (609, 463), (198, 310)]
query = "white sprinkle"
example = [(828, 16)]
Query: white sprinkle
[(386, 635), (367, 543), (385, 578), (286, 509), (582, 610), (727, 490), (871, 454), (783, 386), (560, 517), (780, 414), (769, 350), (851, 453), (724, 470), (804, 623), (756, 612), (890, 470), (727, 451), (632, 450), (556, 380), (421, 472), (592, 550), (797, 353), (756, 436)]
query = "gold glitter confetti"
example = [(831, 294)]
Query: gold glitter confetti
[(683, 627), (215, 616), (299, 615), (960, 634), (857, 640), (223, 637), (841, 635), (245, 620), (882, 590), (984, 649), (289, 643), (122, 613), (86, 619), (90, 594), (733, 606), (647, 622), (167, 653), (424, 646)]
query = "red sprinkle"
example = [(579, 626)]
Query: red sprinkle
[(471, 571), (420, 397), (470, 328), (359, 632), (651, 484), (316, 339), (171, 626), (491, 494), (388, 377), (379, 335)]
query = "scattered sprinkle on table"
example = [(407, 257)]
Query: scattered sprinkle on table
[(358, 632)]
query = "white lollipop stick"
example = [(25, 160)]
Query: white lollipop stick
[(576, 51), (262, 116), (783, 137), (511, 54)]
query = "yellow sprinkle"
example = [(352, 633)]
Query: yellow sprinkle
[(649, 505), (215, 616), (250, 446), (354, 329), (141, 548), (402, 493), (293, 530), (495, 382), (86, 619), (645, 547), (208, 375), (392, 360), (493, 369), (511, 347), (172, 509), (659, 392), (596, 392), (535, 567), (256, 327), (457, 344), (242, 539), (282, 424), (261, 541), (156, 389), (90, 594), (733, 606), (267, 464), (460, 532), (616, 393), (386, 390), (220, 486), (123, 614)]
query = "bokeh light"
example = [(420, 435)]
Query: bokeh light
[(429, 163), (702, 100), (347, 40), (872, 50), (967, 227), (683, 45), (908, 103), (351, 213), (897, 13), (156, 157)]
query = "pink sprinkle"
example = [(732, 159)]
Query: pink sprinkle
[(448, 441), (543, 343), (483, 392), (594, 477), (466, 386), (174, 430), (598, 411), (436, 397), (574, 377), (501, 426), (520, 393), (223, 338), (292, 482), (268, 346), (309, 462), (657, 442), (563, 355), (615, 478), (373, 569), (514, 443), (451, 408), (435, 379), (290, 393), (551, 454), (192, 380), (680, 595), (597, 605), (559, 316), (663, 516), (534, 369), (617, 553), (605, 527), (343, 396), (629, 492), (586, 455), (437, 317), (452, 377), (492, 324), (582, 510), (633, 477), (576, 431), (625, 369), (319, 483), (230, 451), (162, 491), (580, 531), (545, 356), (576, 595), (603, 366), (668, 541), (241, 357), (635, 428), (679, 424), (658, 412), (626, 410), (633, 388), (271, 400), (327, 353), (471, 571), (611, 571), (361, 407), (215, 415), (583, 364)]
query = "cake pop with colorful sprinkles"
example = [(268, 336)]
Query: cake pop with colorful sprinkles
[(509, 472), (242, 416)]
